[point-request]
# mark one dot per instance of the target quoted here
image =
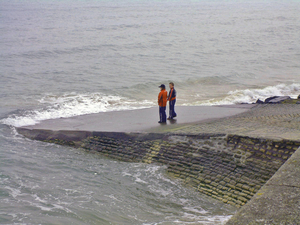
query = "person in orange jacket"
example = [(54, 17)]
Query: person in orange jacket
[(162, 102)]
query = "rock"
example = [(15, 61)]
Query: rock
[(279, 99), (270, 98), (259, 101)]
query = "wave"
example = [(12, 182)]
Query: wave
[(252, 95), (73, 104)]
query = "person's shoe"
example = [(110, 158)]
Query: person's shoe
[(170, 118), (175, 116), (161, 122)]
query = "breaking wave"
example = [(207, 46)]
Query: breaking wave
[(252, 95), (72, 104)]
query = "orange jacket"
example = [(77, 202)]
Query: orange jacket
[(162, 98)]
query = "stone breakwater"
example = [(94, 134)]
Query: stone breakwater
[(229, 168)]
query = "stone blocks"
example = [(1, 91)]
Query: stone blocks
[(228, 168)]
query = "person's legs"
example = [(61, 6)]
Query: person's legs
[(173, 108), (162, 115), (172, 113)]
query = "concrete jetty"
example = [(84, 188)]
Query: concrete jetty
[(140, 120), (246, 155)]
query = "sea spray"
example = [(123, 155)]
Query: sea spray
[(73, 104), (252, 95)]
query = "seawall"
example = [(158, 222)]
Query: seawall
[(229, 168), (242, 155)]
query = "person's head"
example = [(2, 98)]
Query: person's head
[(162, 87), (171, 84)]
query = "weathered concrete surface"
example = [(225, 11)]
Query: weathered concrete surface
[(264, 121), (138, 120), (278, 201)]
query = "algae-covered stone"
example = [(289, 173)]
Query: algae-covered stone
[(225, 200), (243, 199), (232, 182), (239, 185), (231, 203), (226, 179), (231, 186), (207, 181), (246, 187), (214, 184)]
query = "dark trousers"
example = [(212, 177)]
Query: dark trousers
[(162, 114), (172, 112)]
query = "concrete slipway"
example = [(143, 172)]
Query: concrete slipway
[(277, 202)]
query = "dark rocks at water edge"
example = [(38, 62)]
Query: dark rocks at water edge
[(275, 100)]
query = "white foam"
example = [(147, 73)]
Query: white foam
[(73, 104), (14, 192), (252, 95), (198, 210)]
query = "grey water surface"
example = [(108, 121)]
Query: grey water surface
[(67, 58)]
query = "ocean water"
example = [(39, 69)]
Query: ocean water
[(66, 58)]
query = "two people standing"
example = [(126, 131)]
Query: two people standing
[(163, 97)]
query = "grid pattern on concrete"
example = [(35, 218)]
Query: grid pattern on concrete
[(280, 121)]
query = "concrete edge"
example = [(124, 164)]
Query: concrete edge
[(77, 135), (278, 200)]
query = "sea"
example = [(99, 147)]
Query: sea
[(64, 58)]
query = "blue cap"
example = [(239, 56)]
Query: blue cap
[(162, 86)]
